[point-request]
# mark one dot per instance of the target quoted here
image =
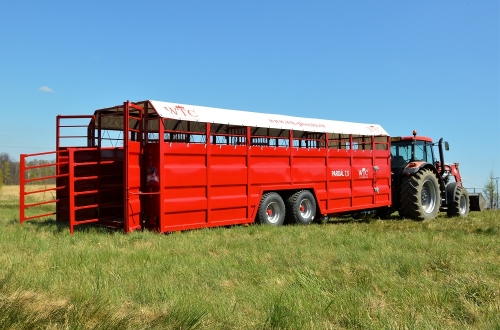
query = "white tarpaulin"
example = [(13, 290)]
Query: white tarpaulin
[(256, 119)]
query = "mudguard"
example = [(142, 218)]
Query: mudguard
[(451, 188)]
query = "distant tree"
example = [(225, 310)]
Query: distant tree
[(6, 173), (1, 178), (489, 190)]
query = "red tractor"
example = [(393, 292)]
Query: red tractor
[(423, 185)]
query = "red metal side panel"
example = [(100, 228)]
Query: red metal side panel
[(185, 186), (269, 166), (309, 168), (383, 177), (228, 184), (339, 176), (362, 179)]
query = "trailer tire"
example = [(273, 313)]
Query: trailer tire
[(302, 207), (460, 205), (271, 210), (420, 195)]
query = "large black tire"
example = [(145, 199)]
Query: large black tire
[(460, 205), (420, 196), (302, 207), (271, 210)]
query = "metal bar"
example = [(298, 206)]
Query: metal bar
[(40, 153), (145, 193), (80, 178), (106, 162), (81, 222), (21, 187), (41, 203), (69, 126), (40, 166), (72, 136), (39, 216), (91, 206), (93, 177), (46, 178), (43, 190), (75, 116)]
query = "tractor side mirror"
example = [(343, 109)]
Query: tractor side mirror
[(446, 146)]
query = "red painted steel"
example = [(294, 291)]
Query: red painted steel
[(172, 175)]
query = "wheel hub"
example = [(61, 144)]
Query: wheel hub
[(273, 212), (428, 197), (305, 208)]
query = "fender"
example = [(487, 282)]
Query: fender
[(451, 189), (414, 167)]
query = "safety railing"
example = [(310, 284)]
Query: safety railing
[(86, 176), (26, 179)]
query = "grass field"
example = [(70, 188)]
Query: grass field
[(342, 274)]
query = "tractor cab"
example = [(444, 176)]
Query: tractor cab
[(415, 149)]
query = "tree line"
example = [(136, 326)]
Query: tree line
[(10, 170)]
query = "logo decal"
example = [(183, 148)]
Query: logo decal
[(363, 173), (344, 173)]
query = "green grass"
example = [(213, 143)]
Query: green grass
[(393, 274)]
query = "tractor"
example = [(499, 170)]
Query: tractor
[(423, 185)]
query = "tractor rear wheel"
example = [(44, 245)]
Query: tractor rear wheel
[(420, 195), (271, 210), (459, 206)]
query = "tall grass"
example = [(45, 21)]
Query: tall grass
[(395, 274)]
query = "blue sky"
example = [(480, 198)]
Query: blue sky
[(426, 65)]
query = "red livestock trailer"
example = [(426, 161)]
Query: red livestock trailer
[(167, 167)]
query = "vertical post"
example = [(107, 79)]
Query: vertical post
[(249, 136), (209, 175), (290, 142), (21, 188), (161, 170), (71, 182), (327, 163), (126, 213), (99, 129)]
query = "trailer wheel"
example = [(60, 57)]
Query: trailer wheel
[(460, 205), (420, 195), (302, 207), (271, 210)]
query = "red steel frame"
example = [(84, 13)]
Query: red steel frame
[(205, 184)]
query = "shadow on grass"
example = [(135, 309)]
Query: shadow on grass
[(63, 226), (349, 220)]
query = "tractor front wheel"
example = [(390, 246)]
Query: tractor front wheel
[(459, 206), (420, 195)]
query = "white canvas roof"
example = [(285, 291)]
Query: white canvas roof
[(256, 119)]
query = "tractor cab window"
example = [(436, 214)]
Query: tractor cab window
[(401, 153), (423, 152)]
